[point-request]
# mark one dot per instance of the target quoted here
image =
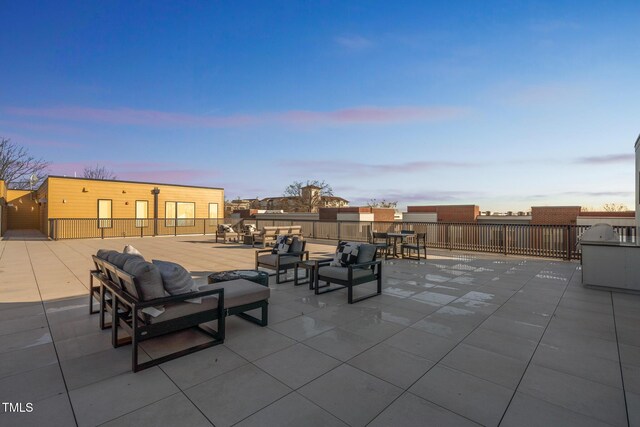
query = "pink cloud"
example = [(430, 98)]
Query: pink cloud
[(127, 116), (160, 172), (607, 159), (359, 169)]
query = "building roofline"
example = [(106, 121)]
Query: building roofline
[(130, 182)]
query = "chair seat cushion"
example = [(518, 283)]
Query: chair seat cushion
[(239, 292), (181, 309), (342, 273), (271, 260)]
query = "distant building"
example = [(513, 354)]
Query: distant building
[(290, 204)]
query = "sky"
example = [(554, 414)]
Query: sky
[(505, 105)]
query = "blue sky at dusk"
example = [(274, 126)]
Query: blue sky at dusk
[(501, 104)]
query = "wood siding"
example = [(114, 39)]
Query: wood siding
[(24, 214), (78, 198)]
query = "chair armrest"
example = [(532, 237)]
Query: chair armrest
[(365, 264), (323, 262), (262, 251)]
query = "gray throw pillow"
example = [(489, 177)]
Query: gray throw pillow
[(175, 277), (147, 278)]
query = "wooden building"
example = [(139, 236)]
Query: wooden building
[(106, 201)]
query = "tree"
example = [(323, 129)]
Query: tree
[(615, 207), (373, 203), (307, 197), (98, 172), (17, 166)]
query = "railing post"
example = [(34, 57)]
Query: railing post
[(204, 226), (504, 238), (102, 232), (313, 229), (175, 226), (568, 240), (338, 222), (447, 238)]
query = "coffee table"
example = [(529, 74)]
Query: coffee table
[(256, 276)]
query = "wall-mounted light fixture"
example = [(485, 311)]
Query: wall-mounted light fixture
[(124, 191), (64, 200), (85, 190), (126, 203)]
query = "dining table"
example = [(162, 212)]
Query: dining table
[(398, 237)]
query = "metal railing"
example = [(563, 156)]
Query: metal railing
[(553, 241)]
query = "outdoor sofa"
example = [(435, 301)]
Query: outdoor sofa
[(269, 233), (134, 292), (227, 233)]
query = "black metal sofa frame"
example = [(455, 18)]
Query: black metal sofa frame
[(125, 309)]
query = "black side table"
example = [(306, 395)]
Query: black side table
[(256, 276), (310, 272)]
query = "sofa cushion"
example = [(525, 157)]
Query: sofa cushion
[(282, 244), (104, 253), (342, 273), (366, 253), (181, 309), (346, 254), (271, 260), (118, 259), (131, 250), (175, 278), (240, 292), (147, 278)]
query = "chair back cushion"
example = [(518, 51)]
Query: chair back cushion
[(297, 245), (346, 254), (118, 259), (104, 253), (366, 253)]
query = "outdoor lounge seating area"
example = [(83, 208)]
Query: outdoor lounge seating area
[(456, 339)]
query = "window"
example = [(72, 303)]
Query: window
[(184, 212), (213, 214), (142, 213), (104, 213)]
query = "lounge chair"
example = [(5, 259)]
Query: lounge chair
[(282, 260), (364, 269)]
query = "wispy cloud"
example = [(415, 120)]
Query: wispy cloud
[(406, 198), (339, 167), (606, 159), (152, 118), (160, 172), (354, 42)]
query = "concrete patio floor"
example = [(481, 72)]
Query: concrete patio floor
[(458, 339)]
